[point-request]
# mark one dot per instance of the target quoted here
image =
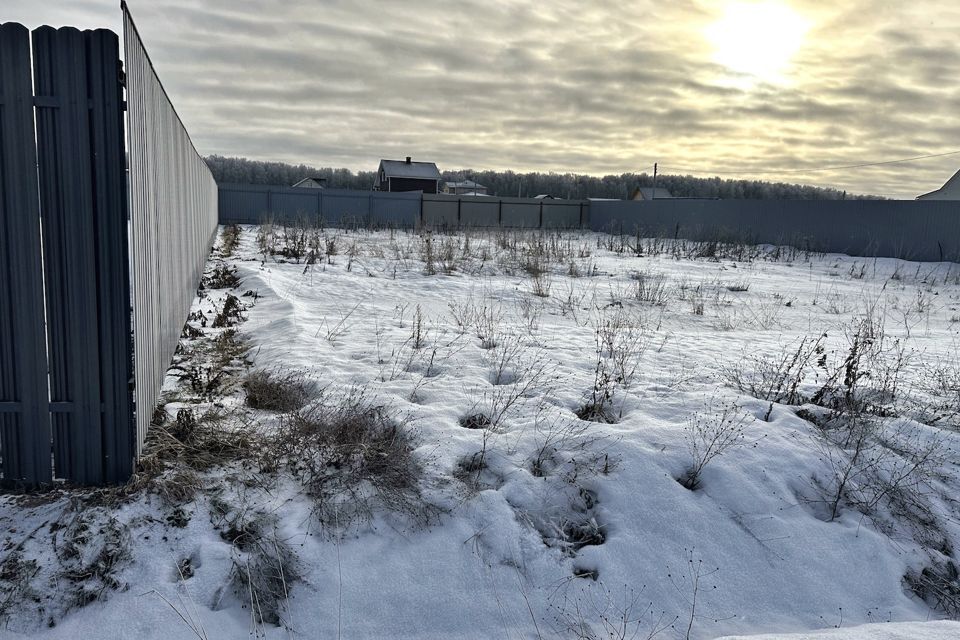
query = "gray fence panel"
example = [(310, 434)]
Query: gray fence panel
[(563, 214), (400, 210), (917, 230), (83, 200), (479, 212), (173, 223), (253, 204), (298, 205), (24, 419), (521, 212), (343, 207), (440, 211), (242, 207)]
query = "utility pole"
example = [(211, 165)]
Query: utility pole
[(653, 195)]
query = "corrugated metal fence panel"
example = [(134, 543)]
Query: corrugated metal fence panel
[(253, 204), (446, 211), (173, 222), (82, 195), (24, 421), (400, 210), (917, 230), (111, 202)]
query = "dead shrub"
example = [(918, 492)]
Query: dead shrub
[(264, 565), (354, 460), (222, 276), (777, 378), (230, 314), (229, 240), (275, 391), (939, 586), (91, 556), (709, 436)]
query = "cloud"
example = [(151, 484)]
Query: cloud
[(591, 87)]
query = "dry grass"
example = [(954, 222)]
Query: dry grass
[(273, 391), (354, 460)]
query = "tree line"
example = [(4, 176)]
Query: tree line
[(510, 183)]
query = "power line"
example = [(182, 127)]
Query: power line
[(815, 169)]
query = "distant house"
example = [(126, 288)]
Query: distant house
[(465, 188), (949, 191), (544, 196), (313, 182), (650, 193), (406, 175)]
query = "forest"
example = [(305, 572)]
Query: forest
[(511, 183)]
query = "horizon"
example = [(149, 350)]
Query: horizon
[(769, 90)]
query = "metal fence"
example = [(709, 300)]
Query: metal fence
[(444, 211), (76, 255), (65, 367), (252, 204), (925, 230), (173, 221)]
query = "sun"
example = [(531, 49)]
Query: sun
[(758, 39)]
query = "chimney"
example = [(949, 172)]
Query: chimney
[(408, 159)]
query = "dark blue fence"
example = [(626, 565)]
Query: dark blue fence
[(911, 229), (253, 204), (64, 374)]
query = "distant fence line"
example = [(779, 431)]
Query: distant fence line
[(252, 204), (918, 230), (924, 230)]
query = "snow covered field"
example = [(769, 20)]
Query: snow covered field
[(561, 435)]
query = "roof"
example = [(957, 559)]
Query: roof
[(403, 169), (949, 191), (649, 193), (544, 196), (466, 184), (312, 182)]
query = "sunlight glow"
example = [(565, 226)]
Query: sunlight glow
[(758, 38)]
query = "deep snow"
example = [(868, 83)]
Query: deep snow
[(492, 565)]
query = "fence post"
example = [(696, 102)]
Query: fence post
[(24, 417)]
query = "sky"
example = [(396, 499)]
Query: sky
[(767, 89)]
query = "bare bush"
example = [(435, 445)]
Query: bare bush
[(222, 276), (264, 566), (777, 378), (230, 314), (867, 378), (620, 342), (650, 288), (868, 464), (276, 391), (570, 449), (487, 321), (229, 240), (354, 460), (711, 435), (597, 614), (939, 586)]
